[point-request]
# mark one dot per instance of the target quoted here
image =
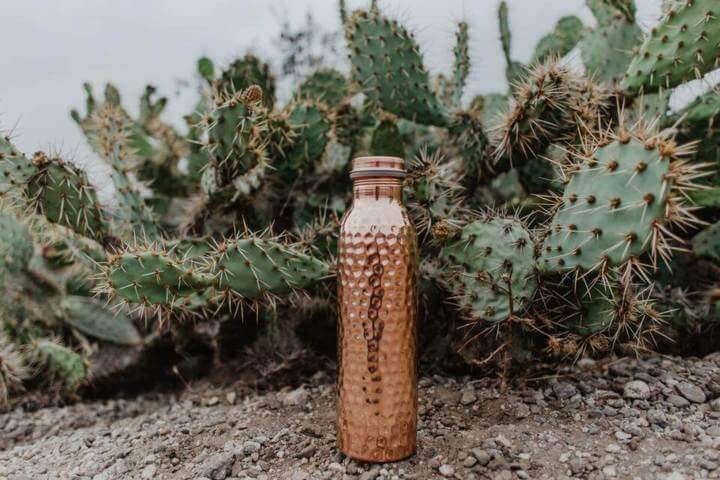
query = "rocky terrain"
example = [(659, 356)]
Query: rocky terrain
[(656, 417)]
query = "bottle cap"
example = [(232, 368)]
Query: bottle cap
[(363, 167)]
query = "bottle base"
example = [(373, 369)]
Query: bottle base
[(379, 455)]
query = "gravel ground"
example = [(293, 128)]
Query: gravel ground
[(652, 418)]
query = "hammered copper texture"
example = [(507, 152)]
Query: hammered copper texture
[(377, 378)]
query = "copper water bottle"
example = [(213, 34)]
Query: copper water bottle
[(377, 328)]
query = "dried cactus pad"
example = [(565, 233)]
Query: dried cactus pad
[(610, 207), (495, 262)]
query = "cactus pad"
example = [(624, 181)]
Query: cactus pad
[(682, 47), (250, 268), (494, 263), (388, 66), (92, 318), (326, 85), (62, 193), (618, 204)]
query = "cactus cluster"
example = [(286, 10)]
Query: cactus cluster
[(599, 174)]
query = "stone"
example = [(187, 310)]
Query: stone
[(677, 401), (446, 470), (250, 447), (148, 473), (468, 397), (691, 392), (296, 398), (636, 390), (482, 456)]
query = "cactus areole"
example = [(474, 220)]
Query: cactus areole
[(377, 334)]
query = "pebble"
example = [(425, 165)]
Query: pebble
[(296, 398), (250, 447), (691, 392), (446, 470), (637, 389), (677, 400), (468, 397), (481, 455)]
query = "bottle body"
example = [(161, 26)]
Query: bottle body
[(377, 330)]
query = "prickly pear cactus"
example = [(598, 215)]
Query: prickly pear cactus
[(62, 193), (388, 66), (89, 316), (607, 49), (250, 268), (16, 245), (386, 140), (707, 242), (682, 47), (493, 263), (539, 112), (619, 202), (568, 31), (326, 85), (15, 169), (309, 127), (150, 277), (246, 71), (59, 362)]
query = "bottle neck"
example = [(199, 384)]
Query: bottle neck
[(376, 188)]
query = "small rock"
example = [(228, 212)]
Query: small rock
[(371, 474), (148, 473), (637, 389), (300, 475), (482, 456), (577, 465), (691, 392), (250, 447), (713, 431), (677, 401), (470, 461), (468, 397), (564, 390), (297, 398), (446, 470), (613, 448), (609, 471)]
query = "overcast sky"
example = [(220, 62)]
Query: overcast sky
[(51, 47)]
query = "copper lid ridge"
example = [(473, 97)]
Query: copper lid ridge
[(363, 167)]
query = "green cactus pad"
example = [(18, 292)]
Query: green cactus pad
[(388, 66), (62, 193), (15, 168), (309, 129), (494, 260), (151, 277), (236, 144), (568, 31), (387, 141), (707, 242), (461, 65), (59, 362), (607, 50), (326, 85), (703, 108), (682, 47), (247, 71), (92, 318), (16, 245), (111, 138), (610, 207), (252, 267)]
